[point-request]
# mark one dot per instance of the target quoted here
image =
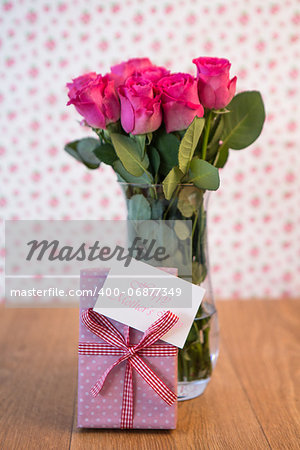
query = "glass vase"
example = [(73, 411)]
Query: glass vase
[(198, 357)]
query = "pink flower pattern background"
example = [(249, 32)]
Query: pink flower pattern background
[(254, 218)]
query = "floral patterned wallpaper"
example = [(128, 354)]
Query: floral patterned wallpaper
[(254, 218)]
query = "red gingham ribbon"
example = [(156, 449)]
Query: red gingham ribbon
[(118, 345)]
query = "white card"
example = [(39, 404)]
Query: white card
[(122, 285)]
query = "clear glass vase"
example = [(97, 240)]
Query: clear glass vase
[(197, 359)]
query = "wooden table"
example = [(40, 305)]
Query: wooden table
[(251, 402)]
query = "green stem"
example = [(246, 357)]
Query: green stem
[(206, 134), (218, 154), (180, 374), (100, 133), (171, 202), (195, 223), (153, 188), (185, 370), (149, 176), (206, 351), (196, 330)]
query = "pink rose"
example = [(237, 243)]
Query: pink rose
[(180, 101), (215, 88), (79, 82), (120, 72), (154, 73), (140, 106), (95, 98)]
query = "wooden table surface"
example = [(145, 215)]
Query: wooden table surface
[(252, 401)]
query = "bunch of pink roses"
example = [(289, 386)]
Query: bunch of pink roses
[(143, 95), (166, 135), (157, 127)]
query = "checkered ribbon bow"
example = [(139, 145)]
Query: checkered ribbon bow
[(118, 345)]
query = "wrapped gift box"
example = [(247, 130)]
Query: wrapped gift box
[(104, 411)]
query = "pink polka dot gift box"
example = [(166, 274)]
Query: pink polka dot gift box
[(120, 383)]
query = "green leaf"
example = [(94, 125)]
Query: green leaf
[(189, 142), (127, 177), (138, 208), (222, 157), (154, 160), (106, 153), (189, 200), (162, 234), (199, 272), (82, 150), (244, 123), (171, 182), (71, 148), (149, 138), (85, 148), (166, 238), (140, 139), (130, 155), (167, 146), (204, 175), (182, 230), (157, 210)]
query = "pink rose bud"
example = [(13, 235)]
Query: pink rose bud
[(215, 88), (95, 98), (180, 101), (140, 106), (120, 72)]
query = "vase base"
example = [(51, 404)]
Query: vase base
[(191, 389)]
